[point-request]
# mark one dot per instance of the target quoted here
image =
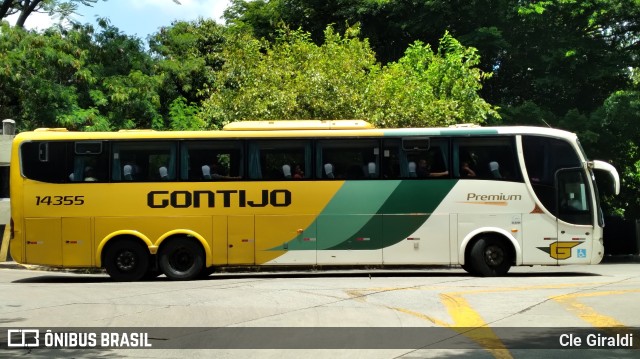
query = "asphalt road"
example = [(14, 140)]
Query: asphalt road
[(334, 314)]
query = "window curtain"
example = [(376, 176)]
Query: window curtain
[(184, 162), (78, 169), (307, 159), (255, 170), (319, 161), (404, 163), (172, 161), (116, 173)]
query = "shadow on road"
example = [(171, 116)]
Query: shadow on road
[(360, 273)]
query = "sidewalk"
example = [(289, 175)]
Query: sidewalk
[(15, 265)]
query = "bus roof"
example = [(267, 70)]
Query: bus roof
[(296, 129), (298, 125)]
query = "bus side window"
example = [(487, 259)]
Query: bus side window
[(543, 158), (426, 162), (90, 161), (491, 158), (351, 159), (141, 161), (211, 160), (279, 159), (394, 163), (47, 161)]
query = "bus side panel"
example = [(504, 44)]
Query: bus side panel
[(429, 244), (76, 242), (540, 239), (43, 241), (350, 239), (286, 240), (503, 224), (454, 249), (575, 243), (241, 240), (218, 242)]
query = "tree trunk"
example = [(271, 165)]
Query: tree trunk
[(4, 8), (27, 9)]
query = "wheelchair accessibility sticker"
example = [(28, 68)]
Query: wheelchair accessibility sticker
[(582, 253)]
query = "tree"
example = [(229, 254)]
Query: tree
[(561, 55), (39, 76), (60, 8), (426, 88), (291, 79), (294, 78), (77, 78), (619, 142), (186, 57)]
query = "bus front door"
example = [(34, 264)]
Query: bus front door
[(575, 218)]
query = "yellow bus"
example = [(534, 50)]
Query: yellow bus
[(309, 193)]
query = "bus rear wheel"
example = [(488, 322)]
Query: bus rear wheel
[(126, 260), (490, 257), (181, 259)]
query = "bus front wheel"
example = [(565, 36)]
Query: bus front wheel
[(181, 259), (126, 260), (490, 257)]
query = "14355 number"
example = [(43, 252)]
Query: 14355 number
[(59, 200)]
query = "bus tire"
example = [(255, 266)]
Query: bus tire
[(467, 268), (490, 257), (181, 259), (126, 260)]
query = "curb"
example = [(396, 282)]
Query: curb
[(14, 265), (621, 259)]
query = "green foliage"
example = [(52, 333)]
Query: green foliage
[(78, 79), (183, 115), (291, 79), (39, 76), (296, 79), (431, 89), (620, 140), (187, 55)]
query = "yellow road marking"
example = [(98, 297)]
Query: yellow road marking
[(587, 313), (467, 322), (465, 317)]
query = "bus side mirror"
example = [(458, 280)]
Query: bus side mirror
[(610, 170)]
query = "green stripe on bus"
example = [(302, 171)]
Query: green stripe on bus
[(408, 207), (374, 214), (336, 222)]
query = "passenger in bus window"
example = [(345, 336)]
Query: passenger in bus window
[(89, 175), (424, 170), (297, 172), (465, 169), (468, 164), (215, 172)]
